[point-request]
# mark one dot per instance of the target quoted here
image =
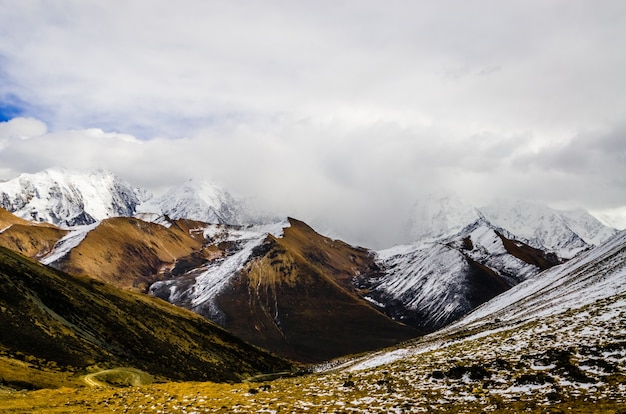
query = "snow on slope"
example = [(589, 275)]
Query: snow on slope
[(68, 242), (210, 280), (488, 249), (590, 279), (437, 280), (69, 198), (427, 279)]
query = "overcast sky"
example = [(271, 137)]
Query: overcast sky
[(340, 113)]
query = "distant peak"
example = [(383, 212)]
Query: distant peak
[(440, 214)]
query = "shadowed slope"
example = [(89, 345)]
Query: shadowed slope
[(54, 323)]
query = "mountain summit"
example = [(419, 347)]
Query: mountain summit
[(198, 200), (566, 233), (70, 198)]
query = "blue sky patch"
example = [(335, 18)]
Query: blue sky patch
[(9, 111)]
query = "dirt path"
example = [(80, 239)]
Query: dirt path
[(126, 376)]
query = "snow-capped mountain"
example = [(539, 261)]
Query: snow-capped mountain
[(466, 255), (70, 198), (566, 233), (198, 200), (597, 276), (431, 284)]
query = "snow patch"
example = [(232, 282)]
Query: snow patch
[(68, 242)]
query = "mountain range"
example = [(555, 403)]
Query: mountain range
[(511, 306), (554, 343), (69, 198), (258, 280)]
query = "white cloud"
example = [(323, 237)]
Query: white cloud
[(22, 128)]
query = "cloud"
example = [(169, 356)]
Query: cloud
[(22, 128), (338, 113)]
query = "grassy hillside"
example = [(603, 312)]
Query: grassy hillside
[(129, 252), (31, 239), (55, 327), (557, 364)]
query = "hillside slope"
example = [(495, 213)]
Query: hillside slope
[(124, 251), (32, 239), (55, 327), (291, 293), (429, 285)]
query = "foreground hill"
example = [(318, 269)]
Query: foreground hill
[(55, 327)]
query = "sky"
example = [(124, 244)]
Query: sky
[(339, 113)]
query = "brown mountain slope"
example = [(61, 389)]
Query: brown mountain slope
[(295, 297), (55, 327), (129, 252), (31, 239), (7, 218)]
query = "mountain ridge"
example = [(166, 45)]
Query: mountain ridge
[(291, 293), (564, 232)]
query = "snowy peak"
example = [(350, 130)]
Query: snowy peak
[(589, 228), (430, 284), (198, 200), (565, 232), (69, 198), (438, 215)]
